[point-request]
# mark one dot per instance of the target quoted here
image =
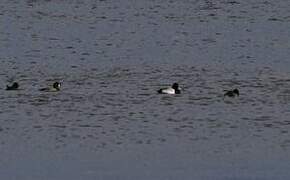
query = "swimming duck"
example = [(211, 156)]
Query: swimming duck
[(14, 86), (55, 87), (232, 93), (174, 89)]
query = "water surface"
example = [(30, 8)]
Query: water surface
[(111, 57)]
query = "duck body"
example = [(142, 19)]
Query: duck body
[(54, 88), (232, 93), (174, 89), (14, 86)]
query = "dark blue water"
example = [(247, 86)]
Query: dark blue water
[(108, 122)]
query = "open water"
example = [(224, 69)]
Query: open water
[(111, 57)]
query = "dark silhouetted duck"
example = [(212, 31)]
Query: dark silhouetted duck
[(55, 87), (232, 93), (14, 86), (174, 89)]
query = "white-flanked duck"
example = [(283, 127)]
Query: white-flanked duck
[(174, 89), (232, 93), (55, 87)]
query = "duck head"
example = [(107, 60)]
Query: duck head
[(236, 91), (56, 85), (175, 86), (15, 85)]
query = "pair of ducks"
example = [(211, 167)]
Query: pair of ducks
[(55, 87), (174, 89)]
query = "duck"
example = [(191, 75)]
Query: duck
[(55, 87), (232, 93), (174, 89), (14, 86)]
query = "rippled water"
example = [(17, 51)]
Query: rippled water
[(108, 122)]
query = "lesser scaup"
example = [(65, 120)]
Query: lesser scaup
[(55, 87), (174, 89), (14, 86), (232, 93)]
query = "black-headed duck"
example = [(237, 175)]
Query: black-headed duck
[(174, 89), (55, 87), (14, 86), (232, 93)]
